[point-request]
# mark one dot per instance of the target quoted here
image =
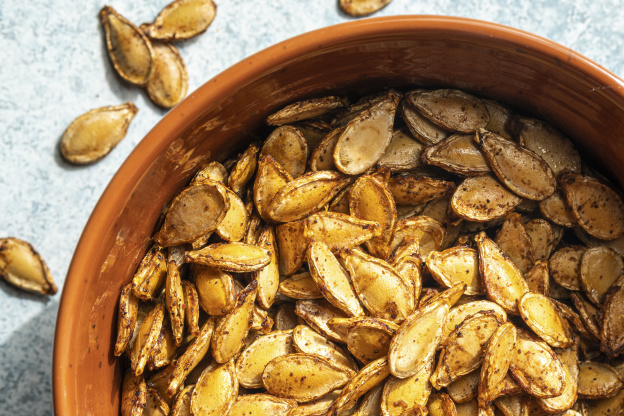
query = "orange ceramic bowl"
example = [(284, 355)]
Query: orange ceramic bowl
[(528, 72)]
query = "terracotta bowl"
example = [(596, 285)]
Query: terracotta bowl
[(530, 73)]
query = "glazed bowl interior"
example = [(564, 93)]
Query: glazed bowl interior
[(531, 74)]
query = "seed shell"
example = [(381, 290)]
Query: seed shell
[(24, 268), (126, 318), (244, 168), (569, 359), (369, 339), (304, 110), (403, 152), (322, 157), (133, 394), (496, 361), (421, 128), (146, 339), (233, 226), (457, 315), (303, 377), (300, 286), (400, 395), (440, 404), (215, 289), (428, 232), (597, 207), (191, 300), (129, 50), (155, 404), (612, 322), (332, 279), (168, 84), (292, 246), (600, 268), (379, 286), (251, 363), (555, 208), (451, 109), (360, 8), (598, 380), (215, 391), (466, 387), (513, 239), (459, 154), (289, 148), (542, 236), (231, 257), (371, 402), (151, 274), (174, 300), (194, 212), (268, 276), (181, 405), (366, 137), (416, 341), (306, 340), (263, 404), (270, 178), (565, 266), (538, 278), (93, 135), (410, 189), (305, 195), (483, 198), (502, 280), (316, 313), (183, 19), (456, 265), (339, 231), (540, 314)]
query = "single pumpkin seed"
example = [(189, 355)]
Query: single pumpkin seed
[(371, 402), (612, 322), (212, 171), (569, 359), (151, 274), (540, 314), (496, 361), (174, 297), (565, 266), (597, 207), (360, 8), (466, 387), (306, 340), (366, 137), (215, 390), (300, 286), (483, 198), (233, 226), (316, 313), (263, 404), (244, 168), (441, 404), (93, 135), (451, 109), (458, 154), (588, 314), (231, 257), (428, 232), (24, 268), (458, 314), (421, 128), (128, 48), (500, 115), (183, 19), (542, 236), (403, 152), (322, 157), (292, 246), (168, 84), (289, 148), (555, 208), (513, 239), (268, 276), (316, 407), (538, 278), (126, 318), (456, 265), (598, 380), (401, 394), (146, 339), (304, 110), (181, 405), (600, 268), (368, 339), (215, 289), (339, 231), (133, 394), (410, 189), (303, 377), (191, 300), (155, 404)]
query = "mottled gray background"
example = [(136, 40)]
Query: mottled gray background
[(53, 67)]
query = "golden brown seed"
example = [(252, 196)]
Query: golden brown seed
[(150, 275), (362, 7), (268, 276), (536, 367), (305, 195), (271, 177), (428, 232), (24, 268), (174, 297), (129, 49), (212, 171), (191, 357), (457, 315), (127, 318), (540, 314), (146, 339), (168, 83), (182, 403), (521, 170), (368, 377), (500, 115), (194, 212), (598, 380), (262, 404), (316, 313), (370, 199), (215, 289), (289, 148), (546, 141), (410, 189), (597, 207), (322, 157), (565, 266), (191, 300), (538, 278), (423, 130), (464, 349), (303, 377), (306, 340), (403, 152), (303, 110), (569, 359), (133, 394), (95, 133), (244, 168), (542, 236), (450, 109), (155, 403), (456, 265), (371, 402), (368, 339), (292, 246), (231, 257), (513, 239), (366, 137), (440, 404), (339, 231), (183, 19), (232, 329), (251, 363), (483, 198), (332, 279), (588, 314), (556, 209), (379, 286), (233, 226), (600, 268), (316, 407), (215, 390), (502, 280), (612, 322), (300, 286), (400, 395), (459, 154), (417, 339), (496, 361), (465, 388)]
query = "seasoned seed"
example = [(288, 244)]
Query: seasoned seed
[(450, 109), (362, 7), (168, 84), (183, 19), (24, 268)]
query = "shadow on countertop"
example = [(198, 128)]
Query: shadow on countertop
[(26, 366)]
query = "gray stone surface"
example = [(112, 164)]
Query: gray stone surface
[(54, 68)]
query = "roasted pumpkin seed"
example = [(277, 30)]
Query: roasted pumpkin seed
[(401, 394), (306, 340), (459, 154), (600, 268), (95, 133), (23, 267), (362, 7), (371, 402), (457, 315), (263, 404), (565, 266), (539, 313), (421, 128), (538, 278), (174, 299), (215, 391), (304, 110), (502, 280), (244, 168), (300, 286), (126, 318), (183, 19), (513, 239), (403, 152), (450, 109), (268, 276), (317, 313), (569, 359), (231, 257), (410, 189), (129, 50), (597, 207), (133, 394), (303, 377), (339, 231), (292, 246), (251, 363), (369, 338), (556, 209), (366, 137), (542, 236), (416, 341), (496, 360), (456, 265), (483, 198), (168, 84), (466, 387), (598, 380), (612, 322), (440, 404), (146, 339), (289, 148), (322, 157)]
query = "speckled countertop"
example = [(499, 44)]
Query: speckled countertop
[(54, 68)]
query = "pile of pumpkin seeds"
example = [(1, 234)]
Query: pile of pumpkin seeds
[(408, 254)]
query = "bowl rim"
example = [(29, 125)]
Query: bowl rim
[(211, 91)]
